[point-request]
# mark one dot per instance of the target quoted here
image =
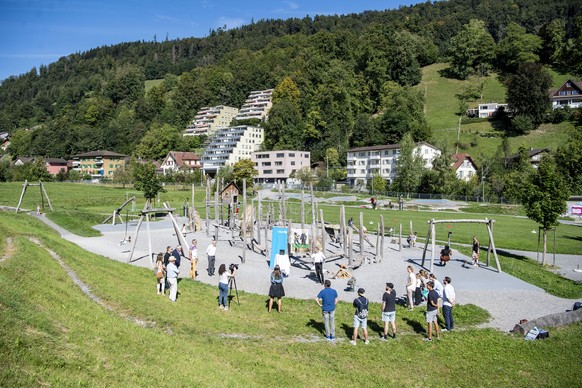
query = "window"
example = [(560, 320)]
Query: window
[(266, 163), (278, 163), (111, 165), (362, 154), (280, 155), (280, 171), (562, 93), (292, 155), (293, 163), (268, 171)]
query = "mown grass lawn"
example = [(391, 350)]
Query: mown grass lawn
[(51, 333)]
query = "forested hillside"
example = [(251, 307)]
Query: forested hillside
[(341, 81)]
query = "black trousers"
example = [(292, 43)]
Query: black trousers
[(319, 272)]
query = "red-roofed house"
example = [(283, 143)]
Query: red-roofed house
[(569, 94), (185, 161), (464, 166)]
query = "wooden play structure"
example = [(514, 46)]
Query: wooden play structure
[(431, 235), (117, 213), (43, 195)]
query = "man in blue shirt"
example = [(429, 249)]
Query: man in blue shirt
[(327, 299)]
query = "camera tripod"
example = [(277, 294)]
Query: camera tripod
[(231, 285)]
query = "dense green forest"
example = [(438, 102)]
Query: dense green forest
[(341, 81)]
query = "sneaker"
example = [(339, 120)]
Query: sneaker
[(393, 336), (367, 342), (475, 265), (383, 338), (353, 342), (332, 338), (221, 307), (327, 338), (427, 339), (225, 308), (444, 330)]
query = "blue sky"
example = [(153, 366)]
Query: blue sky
[(36, 32)]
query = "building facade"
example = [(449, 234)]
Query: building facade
[(209, 119), (276, 166), (184, 161), (98, 164), (229, 145), (569, 94), (256, 106), (464, 166), (366, 162)]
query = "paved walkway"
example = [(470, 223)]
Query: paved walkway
[(507, 298)]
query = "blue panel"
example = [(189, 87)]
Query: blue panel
[(278, 242)]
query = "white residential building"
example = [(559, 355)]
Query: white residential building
[(464, 166), (365, 162), (209, 119), (176, 161), (256, 106), (229, 145), (569, 94), (276, 166)]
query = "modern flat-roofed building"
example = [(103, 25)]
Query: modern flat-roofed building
[(256, 106), (229, 145), (365, 162), (276, 166), (98, 164), (209, 119)]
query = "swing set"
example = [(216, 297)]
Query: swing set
[(431, 235)]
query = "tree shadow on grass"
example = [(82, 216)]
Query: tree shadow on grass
[(415, 325)]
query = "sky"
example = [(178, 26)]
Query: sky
[(36, 32)]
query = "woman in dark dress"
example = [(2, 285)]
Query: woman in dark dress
[(276, 290)]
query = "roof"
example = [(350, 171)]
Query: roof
[(458, 160), (388, 147), (552, 91), (55, 161), (180, 156), (99, 153), (531, 153)]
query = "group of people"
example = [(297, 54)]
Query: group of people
[(445, 299)]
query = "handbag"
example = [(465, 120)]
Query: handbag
[(160, 273)]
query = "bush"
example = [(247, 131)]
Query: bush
[(522, 124), (559, 115)]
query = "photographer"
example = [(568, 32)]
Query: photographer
[(223, 279)]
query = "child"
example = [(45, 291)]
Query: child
[(361, 316), (160, 274)]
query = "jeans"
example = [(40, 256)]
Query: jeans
[(448, 315), (173, 288), (329, 323), (222, 294)]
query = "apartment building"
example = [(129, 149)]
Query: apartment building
[(365, 162), (229, 145), (209, 119), (98, 164), (256, 106), (276, 166)]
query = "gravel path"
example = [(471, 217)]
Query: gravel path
[(507, 298)]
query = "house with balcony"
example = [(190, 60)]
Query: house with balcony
[(464, 166), (569, 94), (276, 166), (366, 162), (487, 110), (209, 119), (181, 161), (98, 164), (256, 106), (229, 145)]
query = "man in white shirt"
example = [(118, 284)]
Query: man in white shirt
[(318, 260), (193, 259), (172, 272), (211, 253), (448, 303)]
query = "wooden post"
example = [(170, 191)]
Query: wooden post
[(432, 236), (343, 233), (382, 241), (207, 194), (427, 240), (24, 186), (302, 209), (400, 239), (322, 231), (312, 219), (259, 217), (350, 247), (216, 217), (43, 191), (267, 233), (244, 222), (490, 231), (283, 200), (377, 243), (361, 234)]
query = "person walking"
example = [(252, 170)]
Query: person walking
[(193, 259), (211, 253), (276, 290), (476, 249), (410, 286), (389, 311), (432, 311), (318, 260), (172, 273), (223, 279), (327, 300), (448, 304), (360, 316)]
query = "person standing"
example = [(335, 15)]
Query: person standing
[(389, 311), (276, 290), (172, 273), (361, 316), (410, 286), (178, 253), (223, 280), (476, 250), (432, 311), (193, 259), (448, 304), (160, 278), (327, 300), (167, 256), (438, 286), (318, 260), (211, 253)]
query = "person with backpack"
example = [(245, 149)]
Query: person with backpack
[(361, 316)]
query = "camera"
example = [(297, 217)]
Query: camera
[(232, 267)]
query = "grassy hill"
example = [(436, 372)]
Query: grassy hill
[(122, 333), (481, 138)]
